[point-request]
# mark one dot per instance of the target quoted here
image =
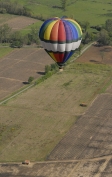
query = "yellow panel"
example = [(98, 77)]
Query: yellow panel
[(48, 30), (52, 56)]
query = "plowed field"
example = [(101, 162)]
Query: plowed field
[(97, 55), (17, 22), (18, 66)]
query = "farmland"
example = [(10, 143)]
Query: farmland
[(96, 12), (16, 22), (18, 66), (47, 122), (52, 106), (63, 125)]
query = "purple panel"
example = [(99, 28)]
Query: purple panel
[(68, 30)]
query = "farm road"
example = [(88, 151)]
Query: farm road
[(18, 66)]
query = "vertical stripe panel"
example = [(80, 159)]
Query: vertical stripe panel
[(54, 32), (48, 30), (61, 32)]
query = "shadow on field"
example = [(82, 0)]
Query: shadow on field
[(94, 61), (25, 83), (41, 73)]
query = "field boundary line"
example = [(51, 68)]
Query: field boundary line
[(82, 51), (108, 157), (16, 94)]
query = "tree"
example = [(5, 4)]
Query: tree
[(5, 31), (64, 4), (47, 69), (86, 25), (79, 49), (103, 37), (87, 38), (108, 25), (16, 39), (30, 79), (34, 35)]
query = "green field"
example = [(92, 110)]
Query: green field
[(96, 12), (5, 51), (27, 30), (34, 122)]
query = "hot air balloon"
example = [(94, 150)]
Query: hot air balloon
[(60, 37)]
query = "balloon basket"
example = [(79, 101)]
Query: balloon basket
[(60, 69)]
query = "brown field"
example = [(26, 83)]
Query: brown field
[(97, 55), (18, 66), (17, 22), (85, 151), (5, 17), (48, 119)]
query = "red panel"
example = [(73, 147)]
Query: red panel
[(61, 32), (54, 32), (59, 57)]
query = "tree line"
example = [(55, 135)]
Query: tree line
[(16, 39), (6, 6), (102, 34), (13, 8)]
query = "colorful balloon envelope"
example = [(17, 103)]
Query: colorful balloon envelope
[(60, 38)]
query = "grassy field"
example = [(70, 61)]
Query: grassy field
[(96, 12), (5, 51), (28, 28), (33, 123)]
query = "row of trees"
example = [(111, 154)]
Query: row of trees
[(63, 4), (6, 6), (103, 34), (16, 39)]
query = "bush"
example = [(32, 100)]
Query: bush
[(47, 69), (52, 68), (30, 79)]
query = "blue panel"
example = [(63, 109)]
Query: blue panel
[(68, 55), (68, 30), (74, 31)]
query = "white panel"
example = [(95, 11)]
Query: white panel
[(43, 44), (76, 45), (54, 47), (61, 47), (69, 46)]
